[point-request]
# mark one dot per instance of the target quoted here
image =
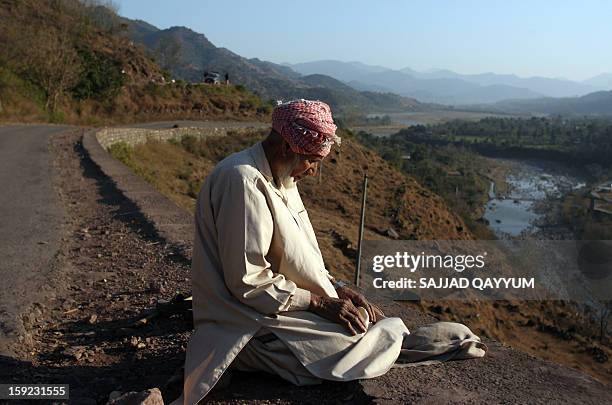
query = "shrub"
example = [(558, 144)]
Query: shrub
[(122, 152), (190, 144), (101, 78), (57, 117)]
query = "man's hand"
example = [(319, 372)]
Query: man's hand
[(338, 310), (360, 301)]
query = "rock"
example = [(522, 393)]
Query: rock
[(134, 341), (392, 233), (75, 351), (27, 339), (92, 319), (151, 396)]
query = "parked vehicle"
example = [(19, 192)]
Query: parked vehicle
[(212, 77)]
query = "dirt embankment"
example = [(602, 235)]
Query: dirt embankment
[(397, 206)]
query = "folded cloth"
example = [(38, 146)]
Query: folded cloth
[(438, 342)]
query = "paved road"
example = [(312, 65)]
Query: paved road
[(31, 217)]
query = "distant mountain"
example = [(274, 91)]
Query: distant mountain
[(602, 81), (448, 87), (344, 71), (597, 103), (188, 54), (338, 93), (435, 88), (538, 85)]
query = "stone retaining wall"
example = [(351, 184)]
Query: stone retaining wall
[(134, 136)]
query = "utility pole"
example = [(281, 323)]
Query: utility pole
[(361, 224)]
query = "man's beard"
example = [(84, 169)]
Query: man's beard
[(284, 177)]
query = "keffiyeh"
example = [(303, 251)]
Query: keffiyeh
[(307, 126)]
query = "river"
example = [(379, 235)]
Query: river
[(532, 205)]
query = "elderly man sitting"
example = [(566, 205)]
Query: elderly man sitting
[(262, 297)]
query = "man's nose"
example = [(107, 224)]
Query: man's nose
[(312, 170)]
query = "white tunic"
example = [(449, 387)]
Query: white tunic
[(255, 252)]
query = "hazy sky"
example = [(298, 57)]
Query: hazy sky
[(553, 38)]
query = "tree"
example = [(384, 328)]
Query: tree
[(46, 57)]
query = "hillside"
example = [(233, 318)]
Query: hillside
[(598, 103), (396, 203), (67, 65)]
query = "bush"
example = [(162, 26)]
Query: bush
[(101, 78), (122, 152), (57, 117), (191, 144)]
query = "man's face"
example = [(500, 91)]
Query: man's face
[(306, 165), (295, 167)]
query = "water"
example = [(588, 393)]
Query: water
[(516, 213)]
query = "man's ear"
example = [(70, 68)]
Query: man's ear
[(285, 148)]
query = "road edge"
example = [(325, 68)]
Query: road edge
[(171, 222)]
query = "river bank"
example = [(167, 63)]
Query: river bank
[(526, 198)]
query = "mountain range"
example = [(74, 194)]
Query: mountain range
[(188, 54), (358, 87), (448, 87)]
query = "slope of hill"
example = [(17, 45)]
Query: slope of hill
[(342, 96), (67, 63), (395, 201), (598, 103)]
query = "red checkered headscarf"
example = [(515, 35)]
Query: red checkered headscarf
[(307, 126)]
